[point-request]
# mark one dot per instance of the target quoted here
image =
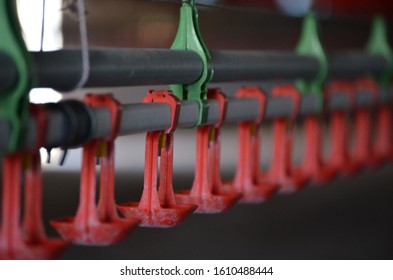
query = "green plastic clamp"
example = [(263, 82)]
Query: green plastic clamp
[(15, 102), (378, 44), (310, 44), (189, 37)]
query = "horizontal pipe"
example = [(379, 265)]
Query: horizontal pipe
[(71, 123), (110, 67), (131, 67), (352, 64), (121, 67), (61, 70), (235, 66)]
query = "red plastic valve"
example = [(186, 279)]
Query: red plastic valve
[(207, 191), (339, 159), (383, 141), (313, 165), (159, 208), (27, 240), (280, 171), (381, 146), (247, 172), (97, 225), (362, 153)]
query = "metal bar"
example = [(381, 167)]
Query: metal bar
[(61, 69)]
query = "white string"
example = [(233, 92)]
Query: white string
[(84, 44), (42, 26)]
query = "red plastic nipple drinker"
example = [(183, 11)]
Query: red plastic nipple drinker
[(339, 159), (246, 180), (97, 225), (159, 208), (27, 240), (362, 154), (280, 171), (207, 190)]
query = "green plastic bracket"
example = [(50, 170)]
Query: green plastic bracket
[(188, 37), (310, 44), (378, 44), (14, 103)]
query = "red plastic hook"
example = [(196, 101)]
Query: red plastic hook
[(313, 165), (320, 171), (159, 208), (382, 147), (26, 241), (381, 144), (97, 225), (339, 160), (280, 171), (207, 190), (362, 152), (247, 172)]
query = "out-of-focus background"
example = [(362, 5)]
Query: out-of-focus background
[(349, 218)]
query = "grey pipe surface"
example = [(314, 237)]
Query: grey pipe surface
[(130, 67), (352, 64), (116, 67), (61, 70), (138, 118), (109, 67)]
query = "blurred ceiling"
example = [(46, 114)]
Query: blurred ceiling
[(229, 24), (333, 7)]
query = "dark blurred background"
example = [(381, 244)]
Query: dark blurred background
[(347, 219)]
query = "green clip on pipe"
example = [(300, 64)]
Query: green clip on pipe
[(188, 37), (14, 103), (310, 44), (378, 44)]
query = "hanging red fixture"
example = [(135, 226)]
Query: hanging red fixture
[(207, 191), (246, 180), (27, 240), (159, 208), (97, 225), (281, 170), (362, 151)]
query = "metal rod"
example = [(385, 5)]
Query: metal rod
[(61, 69)]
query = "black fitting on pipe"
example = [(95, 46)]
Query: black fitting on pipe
[(82, 123)]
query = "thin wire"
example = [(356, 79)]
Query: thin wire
[(42, 26), (84, 44)]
